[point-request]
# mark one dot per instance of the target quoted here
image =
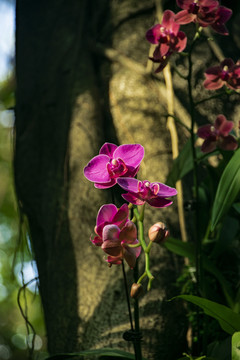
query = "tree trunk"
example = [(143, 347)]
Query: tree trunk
[(73, 94)]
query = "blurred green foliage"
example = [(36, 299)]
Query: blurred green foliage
[(16, 267)]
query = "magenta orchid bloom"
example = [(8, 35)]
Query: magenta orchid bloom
[(113, 162), (217, 135), (227, 73), (139, 192), (168, 39), (222, 15), (204, 12), (114, 233)]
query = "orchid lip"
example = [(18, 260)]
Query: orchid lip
[(116, 168)]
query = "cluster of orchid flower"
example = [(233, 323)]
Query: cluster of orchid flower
[(116, 234), (170, 40)]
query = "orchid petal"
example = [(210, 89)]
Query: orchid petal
[(131, 154), (106, 214), (220, 28), (96, 169), (129, 233), (111, 244), (220, 120), (184, 17), (168, 21), (105, 185), (108, 149), (159, 202), (97, 241), (205, 131), (133, 199), (224, 14), (182, 41), (121, 217), (154, 33), (226, 128), (114, 260), (163, 63), (129, 256), (214, 70), (213, 84), (166, 191), (209, 145), (228, 143), (111, 232), (112, 248), (132, 171), (138, 249), (163, 50), (184, 4), (128, 184)]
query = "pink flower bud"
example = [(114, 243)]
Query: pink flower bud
[(136, 290), (158, 233)]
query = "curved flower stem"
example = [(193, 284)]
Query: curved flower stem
[(178, 121), (211, 97), (146, 248), (178, 73), (142, 277), (138, 352)]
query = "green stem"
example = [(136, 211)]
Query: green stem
[(178, 72), (141, 277), (178, 121), (127, 296), (195, 174), (146, 248), (210, 97), (138, 351), (198, 257)]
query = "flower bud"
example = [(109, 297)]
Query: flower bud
[(136, 290), (158, 233)]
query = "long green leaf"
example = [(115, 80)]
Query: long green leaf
[(228, 189), (228, 319), (98, 352), (236, 346)]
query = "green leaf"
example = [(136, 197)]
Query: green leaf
[(237, 207), (228, 319), (181, 165), (220, 349), (236, 346), (228, 189), (98, 352), (187, 249)]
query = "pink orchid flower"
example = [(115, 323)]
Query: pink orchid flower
[(204, 12), (139, 192), (168, 39), (114, 232), (113, 162), (227, 73), (217, 135)]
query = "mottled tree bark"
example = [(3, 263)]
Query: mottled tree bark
[(72, 96)]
